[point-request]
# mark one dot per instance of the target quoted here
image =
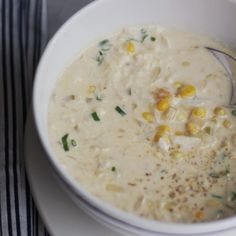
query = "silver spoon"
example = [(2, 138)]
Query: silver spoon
[(229, 64)]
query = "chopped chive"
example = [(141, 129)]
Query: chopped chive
[(98, 98), (144, 35), (216, 196), (233, 112), (153, 39), (95, 116), (120, 111), (219, 174), (65, 142), (104, 47), (73, 143), (113, 168), (233, 198), (103, 42)]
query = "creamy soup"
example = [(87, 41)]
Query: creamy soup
[(140, 120)]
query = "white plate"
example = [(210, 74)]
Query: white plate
[(60, 215)]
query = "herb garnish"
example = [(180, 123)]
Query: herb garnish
[(95, 116), (73, 143), (113, 168), (98, 98), (233, 198), (153, 39), (65, 142), (104, 46), (216, 196), (144, 35), (233, 112), (120, 111), (219, 174)]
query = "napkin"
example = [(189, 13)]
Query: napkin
[(22, 40)]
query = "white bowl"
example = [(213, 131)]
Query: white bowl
[(215, 18)]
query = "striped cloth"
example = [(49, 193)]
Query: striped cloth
[(22, 39)]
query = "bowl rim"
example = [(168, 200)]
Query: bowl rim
[(150, 226)]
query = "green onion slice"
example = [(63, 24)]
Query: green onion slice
[(233, 112), (120, 111), (95, 116), (65, 142), (216, 196), (153, 39), (73, 143)]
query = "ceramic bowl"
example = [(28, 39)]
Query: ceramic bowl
[(214, 18)]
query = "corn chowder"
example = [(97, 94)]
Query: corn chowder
[(141, 121)]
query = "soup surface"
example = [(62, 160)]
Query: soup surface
[(140, 120)]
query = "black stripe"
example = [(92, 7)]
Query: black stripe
[(4, 72), (36, 36), (36, 222), (14, 116), (27, 25), (22, 57), (39, 30), (0, 218), (28, 207)]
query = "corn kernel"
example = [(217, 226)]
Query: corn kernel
[(185, 63), (157, 137), (199, 112), (163, 105), (178, 84), (186, 91), (199, 215), (148, 116), (208, 130), (91, 88), (191, 128), (130, 47), (156, 72), (227, 124), (176, 155), (179, 133), (220, 111), (161, 131)]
